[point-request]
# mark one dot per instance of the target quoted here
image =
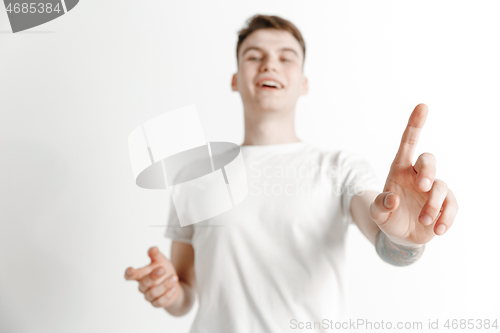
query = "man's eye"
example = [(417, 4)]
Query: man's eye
[(286, 59), (254, 58)]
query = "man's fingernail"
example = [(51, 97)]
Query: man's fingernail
[(425, 219), (173, 278), (159, 271), (128, 271), (385, 200), (440, 229), (425, 183)]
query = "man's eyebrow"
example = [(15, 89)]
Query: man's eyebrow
[(259, 49)]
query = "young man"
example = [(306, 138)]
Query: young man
[(277, 258)]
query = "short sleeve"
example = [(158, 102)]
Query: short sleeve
[(174, 229), (358, 177)]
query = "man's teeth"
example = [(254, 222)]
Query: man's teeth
[(270, 83)]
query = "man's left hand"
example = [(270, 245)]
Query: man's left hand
[(420, 206)]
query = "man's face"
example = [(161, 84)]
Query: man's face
[(276, 55)]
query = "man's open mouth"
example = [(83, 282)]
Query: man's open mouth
[(268, 84)]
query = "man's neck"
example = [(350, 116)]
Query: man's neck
[(269, 129)]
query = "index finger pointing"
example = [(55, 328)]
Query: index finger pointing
[(411, 135)]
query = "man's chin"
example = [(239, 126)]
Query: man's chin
[(270, 106)]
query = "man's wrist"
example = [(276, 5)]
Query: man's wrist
[(403, 243), (397, 254), (184, 302), (175, 308)]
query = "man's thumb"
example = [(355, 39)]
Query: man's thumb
[(384, 204)]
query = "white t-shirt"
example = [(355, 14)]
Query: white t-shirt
[(277, 258)]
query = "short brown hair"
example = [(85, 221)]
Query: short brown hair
[(258, 21)]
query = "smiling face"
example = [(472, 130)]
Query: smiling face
[(274, 55)]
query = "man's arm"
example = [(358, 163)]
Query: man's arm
[(182, 257), (392, 253)]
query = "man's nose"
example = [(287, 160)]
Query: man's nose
[(268, 64)]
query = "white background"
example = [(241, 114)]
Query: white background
[(71, 90)]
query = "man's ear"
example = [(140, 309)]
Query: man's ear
[(234, 85), (305, 87)]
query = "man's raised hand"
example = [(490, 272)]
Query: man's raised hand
[(158, 281), (414, 206)]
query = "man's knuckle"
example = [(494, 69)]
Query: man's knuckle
[(171, 292), (409, 140), (429, 157), (432, 208), (448, 219), (452, 201), (426, 161), (159, 302), (453, 208), (155, 292), (151, 294), (441, 185), (165, 286)]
